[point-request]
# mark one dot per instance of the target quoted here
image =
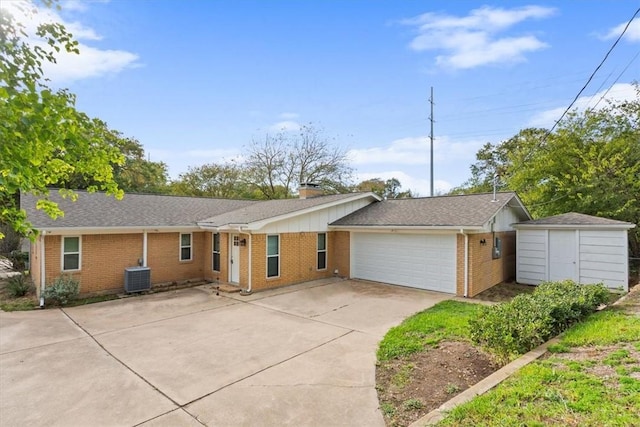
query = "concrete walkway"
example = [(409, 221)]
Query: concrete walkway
[(301, 355)]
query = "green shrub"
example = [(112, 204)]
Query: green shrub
[(62, 290), (19, 285), (530, 319), (18, 259)]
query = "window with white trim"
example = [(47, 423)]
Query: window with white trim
[(185, 247), (216, 252), (71, 253), (273, 256), (322, 251)]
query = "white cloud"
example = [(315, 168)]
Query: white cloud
[(618, 92), (285, 126), (474, 40), (632, 34), (289, 116), (91, 62), (415, 150)]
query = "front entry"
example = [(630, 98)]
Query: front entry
[(234, 259)]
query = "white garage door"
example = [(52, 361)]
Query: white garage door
[(418, 261)]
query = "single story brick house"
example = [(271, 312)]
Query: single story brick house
[(456, 244)]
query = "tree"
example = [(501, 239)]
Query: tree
[(44, 138), (212, 180), (589, 164), (493, 164), (277, 166), (389, 189)]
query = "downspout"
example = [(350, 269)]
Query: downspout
[(144, 248), (466, 263), (248, 291), (42, 269)]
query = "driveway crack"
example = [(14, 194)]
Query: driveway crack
[(130, 369)]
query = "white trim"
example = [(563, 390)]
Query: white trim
[(213, 252), (62, 254), (43, 273), (144, 249), (573, 226), (406, 229), (272, 256), (325, 250), (466, 264), (62, 231), (182, 247), (257, 225)]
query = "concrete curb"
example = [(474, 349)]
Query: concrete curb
[(483, 386)]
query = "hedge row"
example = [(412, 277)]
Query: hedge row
[(528, 320)]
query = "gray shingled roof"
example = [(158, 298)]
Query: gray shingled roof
[(270, 209), (574, 218), (442, 211), (134, 210)]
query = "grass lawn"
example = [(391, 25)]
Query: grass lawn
[(591, 378), (426, 360), (445, 320)]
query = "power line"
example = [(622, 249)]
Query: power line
[(592, 75)]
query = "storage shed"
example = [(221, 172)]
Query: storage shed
[(583, 248)]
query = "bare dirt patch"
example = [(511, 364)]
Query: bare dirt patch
[(411, 387), (504, 292)]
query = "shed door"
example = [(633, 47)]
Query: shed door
[(562, 255), (417, 261)]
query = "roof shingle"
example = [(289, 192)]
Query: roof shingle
[(442, 211), (134, 210), (574, 218)]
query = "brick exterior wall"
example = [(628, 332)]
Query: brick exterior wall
[(484, 271), (104, 258), (207, 267), (340, 252), (163, 258), (298, 262)]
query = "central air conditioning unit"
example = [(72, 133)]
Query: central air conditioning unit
[(137, 279)]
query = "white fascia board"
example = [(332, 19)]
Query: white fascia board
[(61, 231), (573, 226), (406, 229)]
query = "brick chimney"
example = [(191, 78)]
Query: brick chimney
[(309, 190)]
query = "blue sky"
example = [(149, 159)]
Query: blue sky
[(196, 81)]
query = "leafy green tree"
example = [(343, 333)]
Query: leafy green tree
[(389, 189), (277, 166), (45, 140), (212, 180), (589, 164)]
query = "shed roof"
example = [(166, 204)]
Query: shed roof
[(469, 210), (573, 219)]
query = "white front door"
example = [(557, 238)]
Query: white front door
[(562, 255), (234, 259)]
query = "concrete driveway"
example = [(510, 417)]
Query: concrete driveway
[(300, 355)]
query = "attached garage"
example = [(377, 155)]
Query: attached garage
[(416, 260), (460, 244), (583, 248)]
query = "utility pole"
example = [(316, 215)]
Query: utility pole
[(431, 138)]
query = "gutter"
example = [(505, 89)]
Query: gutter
[(466, 263), (42, 269), (248, 291)]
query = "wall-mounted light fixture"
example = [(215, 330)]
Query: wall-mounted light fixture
[(483, 242), (243, 242)]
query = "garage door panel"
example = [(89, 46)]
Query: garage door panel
[(419, 261)]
